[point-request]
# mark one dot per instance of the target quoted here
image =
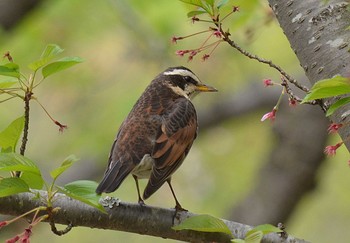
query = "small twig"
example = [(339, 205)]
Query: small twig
[(227, 39), (27, 98), (59, 232), (50, 212)]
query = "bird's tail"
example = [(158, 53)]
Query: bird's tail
[(113, 178)]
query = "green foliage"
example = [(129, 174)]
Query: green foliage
[(265, 229), (83, 191), (10, 70), (327, 88), (208, 223), (60, 65), (11, 134), (16, 162), (13, 185), (50, 52), (256, 234), (204, 223), (31, 177), (206, 6), (337, 104), (68, 162)]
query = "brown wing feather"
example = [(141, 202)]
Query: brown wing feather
[(174, 140)]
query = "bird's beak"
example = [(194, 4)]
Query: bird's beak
[(205, 88)]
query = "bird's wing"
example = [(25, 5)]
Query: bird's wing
[(173, 142)]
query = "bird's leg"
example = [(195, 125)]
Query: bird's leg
[(178, 206), (141, 202)]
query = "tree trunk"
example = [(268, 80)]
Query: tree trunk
[(317, 33)]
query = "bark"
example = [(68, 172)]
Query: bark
[(317, 33), (127, 217)]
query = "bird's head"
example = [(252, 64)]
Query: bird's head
[(184, 82)]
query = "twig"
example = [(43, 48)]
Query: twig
[(27, 98), (226, 38)]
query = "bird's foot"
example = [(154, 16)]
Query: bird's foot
[(141, 202), (179, 208)]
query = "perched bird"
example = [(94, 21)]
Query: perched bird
[(158, 133)]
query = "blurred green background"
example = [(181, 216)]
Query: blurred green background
[(127, 43)]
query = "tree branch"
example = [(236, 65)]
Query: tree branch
[(126, 217)]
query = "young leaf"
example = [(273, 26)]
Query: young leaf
[(48, 54), (204, 223), (207, 5), (13, 185), (83, 191), (337, 105), (10, 70), (34, 180), (17, 162), (60, 65), (197, 3), (221, 3), (10, 135), (328, 88), (254, 237), (265, 229), (195, 13), (6, 83), (51, 51), (68, 162), (238, 241)]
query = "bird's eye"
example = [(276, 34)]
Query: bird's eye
[(189, 79)]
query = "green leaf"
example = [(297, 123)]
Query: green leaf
[(68, 162), (265, 229), (197, 3), (10, 70), (16, 162), (328, 88), (221, 3), (50, 52), (238, 241), (83, 191), (34, 180), (13, 185), (60, 65), (195, 13), (204, 223), (11, 134), (337, 105), (207, 5), (254, 237), (6, 83)]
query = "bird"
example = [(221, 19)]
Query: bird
[(156, 136)]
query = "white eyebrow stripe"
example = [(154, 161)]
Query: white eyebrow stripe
[(182, 72)]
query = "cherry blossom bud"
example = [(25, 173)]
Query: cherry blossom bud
[(333, 128), (332, 149), (270, 115)]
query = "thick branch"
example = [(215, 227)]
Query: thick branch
[(126, 217)]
